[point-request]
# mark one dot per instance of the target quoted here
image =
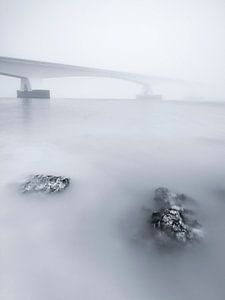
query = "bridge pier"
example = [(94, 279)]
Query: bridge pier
[(147, 93), (27, 92), (25, 69)]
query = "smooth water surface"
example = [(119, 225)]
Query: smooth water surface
[(87, 243)]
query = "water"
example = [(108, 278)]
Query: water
[(87, 243)]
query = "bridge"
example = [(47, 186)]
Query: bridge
[(25, 70)]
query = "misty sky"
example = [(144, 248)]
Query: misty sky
[(176, 38)]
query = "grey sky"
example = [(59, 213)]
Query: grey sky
[(177, 38)]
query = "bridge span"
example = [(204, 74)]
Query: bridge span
[(24, 70)]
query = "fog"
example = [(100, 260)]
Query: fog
[(88, 242), (177, 39), (93, 240)]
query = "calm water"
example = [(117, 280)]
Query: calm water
[(86, 243)]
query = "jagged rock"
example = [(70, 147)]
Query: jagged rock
[(171, 222), (45, 184)]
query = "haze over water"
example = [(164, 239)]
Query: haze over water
[(87, 242)]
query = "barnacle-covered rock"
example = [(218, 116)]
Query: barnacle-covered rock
[(45, 184), (171, 222)]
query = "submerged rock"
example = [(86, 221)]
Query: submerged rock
[(171, 222), (45, 184)]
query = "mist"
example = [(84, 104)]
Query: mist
[(87, 243), (94, 240), (176, 39)]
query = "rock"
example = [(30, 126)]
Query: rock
[(171, 222), (45, 184)]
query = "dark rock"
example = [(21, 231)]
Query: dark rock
[(45, 184), (171, 222)]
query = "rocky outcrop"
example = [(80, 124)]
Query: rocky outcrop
[(45, 184), (172, 223)]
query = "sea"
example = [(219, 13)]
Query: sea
[(87, 243)]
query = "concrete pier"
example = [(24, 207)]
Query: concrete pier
[(43, 94)]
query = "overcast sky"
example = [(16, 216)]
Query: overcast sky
[(176, 38)]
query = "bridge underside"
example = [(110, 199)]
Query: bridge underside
[(25, 69)]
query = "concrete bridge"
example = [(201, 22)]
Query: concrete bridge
[(26, 69)]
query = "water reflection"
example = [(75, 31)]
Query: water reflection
[(34, 110)]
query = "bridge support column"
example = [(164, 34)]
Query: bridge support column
[(147, 93), (27, 92), (25, 85)]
